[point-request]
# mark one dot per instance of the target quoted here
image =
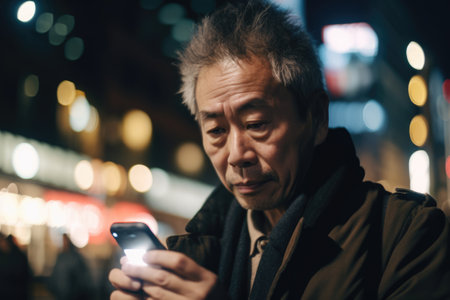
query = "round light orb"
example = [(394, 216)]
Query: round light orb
[(136, 130), (140, 178), (26, 11), (415, 55), (25, 160)]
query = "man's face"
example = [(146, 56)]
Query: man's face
[(252, 132)]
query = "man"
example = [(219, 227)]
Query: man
[(293, 220)]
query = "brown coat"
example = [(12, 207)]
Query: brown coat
[(412, 262), (348, 239)]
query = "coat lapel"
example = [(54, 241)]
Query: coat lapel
[(233, 265), (309, 247)]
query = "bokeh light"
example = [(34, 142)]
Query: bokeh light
[(417, 90), (73, 223), (171, 13), (447, 166), (136, 130), (189, 158), (161, 183), (94, 120), (133, 212), (373, 115), (54, 36), (23, 233), (44, 22), (111, 178), (55, 212), (66, 93), (33, 211), (183, 30), (74, 48), (357, 117), (351, 38), (26, 11), (418, 130), (91, 217), (72, 211), (61, 29), (79, 235), (140, 178), (25, 160), (419, 172), (31, 85), (333, 60), (79, 113), (65, 24), (446, 90), (415, 55), (84, 175), (79, 215), (9, 208), (348, 115)]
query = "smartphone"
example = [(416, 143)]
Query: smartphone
[(135, 239)]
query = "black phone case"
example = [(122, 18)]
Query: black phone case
[(135, 235)]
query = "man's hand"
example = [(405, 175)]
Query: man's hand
[(169, 275)]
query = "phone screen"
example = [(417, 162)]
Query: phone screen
[(135, 256), (135, 238)]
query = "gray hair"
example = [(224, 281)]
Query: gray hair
[(257, 28)]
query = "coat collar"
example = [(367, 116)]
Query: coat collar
[(210, 218)]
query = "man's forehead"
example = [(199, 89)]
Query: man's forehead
[(216, 110), (235, 85)]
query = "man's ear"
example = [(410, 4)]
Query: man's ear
[(320, 111), (321, 134)]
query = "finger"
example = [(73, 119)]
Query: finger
[(158, 277), (176, 262), (186, 278), (121, 281), (123, 260), (121, 295), (12, 188), (157, 292)]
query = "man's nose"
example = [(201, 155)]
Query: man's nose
[(241, 153)]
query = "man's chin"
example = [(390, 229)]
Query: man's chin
[(254, 202)]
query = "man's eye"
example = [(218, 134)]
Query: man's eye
[(256, 126), (216, 131)]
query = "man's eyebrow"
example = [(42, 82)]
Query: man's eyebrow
[(256, 103), (206, 115)]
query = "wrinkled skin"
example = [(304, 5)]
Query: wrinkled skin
[(253, 133)]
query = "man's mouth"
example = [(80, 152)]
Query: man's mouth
[(247, 187)]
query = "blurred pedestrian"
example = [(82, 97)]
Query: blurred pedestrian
[(15, 273), (71, 278)]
